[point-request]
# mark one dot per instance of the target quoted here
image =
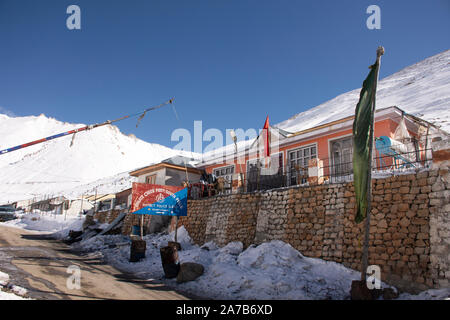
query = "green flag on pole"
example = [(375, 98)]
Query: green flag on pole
[(362, 127)]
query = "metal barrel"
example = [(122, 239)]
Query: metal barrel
[(170, 263), (137, 250)]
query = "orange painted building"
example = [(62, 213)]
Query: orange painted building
[(330, 144)]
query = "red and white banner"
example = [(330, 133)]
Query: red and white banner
[(146, 195)]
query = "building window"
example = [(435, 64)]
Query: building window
[(298, 163), (151, 179), (341, 158), (227, 174)]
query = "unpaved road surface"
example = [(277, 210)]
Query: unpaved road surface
[(39, 264)]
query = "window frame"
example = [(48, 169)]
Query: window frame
[(228, 183), (296, 150), (151, 176), (331, 161)]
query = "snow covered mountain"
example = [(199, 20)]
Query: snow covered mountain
[(103, 156), (422, 89), (51, 167)]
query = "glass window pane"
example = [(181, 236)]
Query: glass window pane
[(313, 151), (306, 152), (346, 143), (292, 155)]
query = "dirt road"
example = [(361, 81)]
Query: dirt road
[(38, 263)]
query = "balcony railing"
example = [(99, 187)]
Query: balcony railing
[(334, 170)]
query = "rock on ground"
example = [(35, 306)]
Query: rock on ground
[(189, 271)]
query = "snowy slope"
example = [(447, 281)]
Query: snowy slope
[(112, 184), (422, 89), (51, 167)]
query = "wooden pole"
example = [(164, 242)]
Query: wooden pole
[(142, 226), (365, 254), (426, 147), (95, 203), (258, 173), (176, 229), (81, 207), (187, 184), (240, 169)]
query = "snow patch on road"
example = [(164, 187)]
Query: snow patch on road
[(10, 296), (9, 291)]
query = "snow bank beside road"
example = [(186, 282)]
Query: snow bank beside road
[(10, 296), (273, 270), (47, 222), (13, 292), (432, 294)]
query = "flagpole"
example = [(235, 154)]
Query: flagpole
[(365, 254)]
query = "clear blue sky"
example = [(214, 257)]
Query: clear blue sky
[(228, 63)]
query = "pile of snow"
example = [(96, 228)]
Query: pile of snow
[(4, 278), (46, 221), (273, 270), (432, 294), (9, 291), (10, 296), (51, 167)]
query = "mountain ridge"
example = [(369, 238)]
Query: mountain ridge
[(391, 92), (55, 167)]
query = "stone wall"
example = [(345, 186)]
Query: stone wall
[(134, 220), (440, 229), (409, 233), (106, 216)]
